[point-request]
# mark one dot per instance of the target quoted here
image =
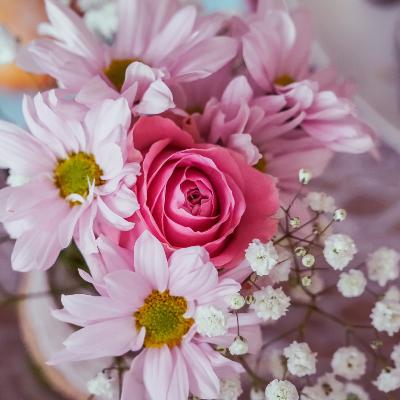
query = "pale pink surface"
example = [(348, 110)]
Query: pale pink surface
[(179, 45), (108, 324), (199, 194), (277, 48), (34, 213)]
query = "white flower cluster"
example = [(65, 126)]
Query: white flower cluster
[(330, 388), (281, 390), (262, 257), (321, 202), (383, 265), (349, 363), (389, 378), (352, 283), (339, 250), (103, 387), (210, 321), (270, 303), (230, 389), (386, 312), (301, 361)]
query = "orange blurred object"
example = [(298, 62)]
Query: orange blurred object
[(21, 18)]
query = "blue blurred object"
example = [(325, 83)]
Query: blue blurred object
[(224, 5), (10, 107)]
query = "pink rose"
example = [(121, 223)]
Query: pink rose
[(199, 194)]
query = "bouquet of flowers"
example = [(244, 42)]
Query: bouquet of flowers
[(175, 155)]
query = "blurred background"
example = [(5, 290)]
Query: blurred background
[(361, 38)]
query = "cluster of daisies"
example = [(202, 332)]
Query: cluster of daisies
[(175, 153)]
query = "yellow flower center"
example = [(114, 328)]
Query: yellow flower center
[(261, 165), (72, 176), (284, 80), (163, 317), (115, 72)]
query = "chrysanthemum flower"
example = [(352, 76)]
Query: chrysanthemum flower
[(276, 51), (157, 46), (154, 310), (70, 178)]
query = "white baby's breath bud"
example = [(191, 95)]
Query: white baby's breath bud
[(339, 250), (349, 363), (237, 301), (308, 260), (300, 251), (257, 394), (281, 390), (15, 180), (239, 346), (395, 356), (388, 380), (355, 392), (304, 176), (352, 283), (102, 386), (103, 20), (383, 265), (306, 281), (320, 202), (230, 389), (386, 316), (262, 257), (301, 361), (340, 215), (295, 222), (270, 303), (210, 321)]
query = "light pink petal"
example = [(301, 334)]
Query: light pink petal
[(191, 274), (150, 261), (94, 91), (203, 381), (157, 372), (172, 36), (204, 59), (84, 236), (92, 309), (133, 380), (109, 158), (33, 251), (156, 99), (103, 119), (123, 202), (110, 338), (179, 385), (20, 152), (112, 218), (127, 288), (69, 28)]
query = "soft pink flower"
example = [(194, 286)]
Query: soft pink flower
[(276, 51), (74, 177), (174, 359), (158, 45), (199, 194), (258, 129)]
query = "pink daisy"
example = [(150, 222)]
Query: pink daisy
[(172, 312), (158, 45), (276, 51), (265, 135), (70, 178)]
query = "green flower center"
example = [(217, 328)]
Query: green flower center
[(115, 72), (163, 317), (284, 80), (73, 175)]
